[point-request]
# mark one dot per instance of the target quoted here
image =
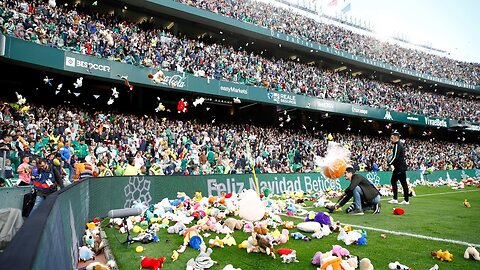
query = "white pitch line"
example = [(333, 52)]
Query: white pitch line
[(417, 236), (412, 234), (405, 234), (433, 194), (422, 195)]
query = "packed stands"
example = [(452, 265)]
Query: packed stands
[(116, 39)]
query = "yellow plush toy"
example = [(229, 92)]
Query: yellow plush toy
[(174, 255), (444, 256), (198, 196)]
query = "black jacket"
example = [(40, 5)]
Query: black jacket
[(397, 157), (369, 190)]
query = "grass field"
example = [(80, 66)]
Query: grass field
[(435, 212)]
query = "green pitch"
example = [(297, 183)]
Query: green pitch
[(435, 212)]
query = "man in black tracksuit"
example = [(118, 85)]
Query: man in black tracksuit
[(365, 195), (397, 160)]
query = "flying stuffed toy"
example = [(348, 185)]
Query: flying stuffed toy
[(182, 106), (125, 81), (157, 77)]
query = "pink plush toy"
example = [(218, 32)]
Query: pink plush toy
[(248, 227), (283, 238), (340, 251)]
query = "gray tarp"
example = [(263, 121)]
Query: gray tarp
[(10, 222)]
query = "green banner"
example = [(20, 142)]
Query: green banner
[(32, 53), (216, 19)]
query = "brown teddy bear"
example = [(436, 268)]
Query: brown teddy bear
[(265, 246)]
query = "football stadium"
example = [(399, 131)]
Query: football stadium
[(232, 134)]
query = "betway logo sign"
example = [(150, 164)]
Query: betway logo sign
[(72, 62), (435, 122)]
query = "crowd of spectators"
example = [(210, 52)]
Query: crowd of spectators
[(114, 38), (123, 144), (289, 22)]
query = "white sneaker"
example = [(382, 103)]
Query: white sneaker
[(405, 202), (393, 201)]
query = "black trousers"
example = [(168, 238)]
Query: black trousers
[(402, 177), (23, 184)]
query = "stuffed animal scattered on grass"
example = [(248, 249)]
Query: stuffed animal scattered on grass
[(100, 266), (151, 263), (233, 224), (398, 266), (471, 253), (366, 264), (174, 255), (398, 211), (203, 260), (230, 267), (443, 256), (265, 246)]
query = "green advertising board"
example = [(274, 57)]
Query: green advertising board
[(24, 51)]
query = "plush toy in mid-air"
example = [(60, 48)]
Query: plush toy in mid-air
[(125, 81), (20, 99), (78, 83), (157, 77), (182, 106), (114, 92), (198, 101)]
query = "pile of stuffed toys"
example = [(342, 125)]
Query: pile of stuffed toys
[(196, 219)]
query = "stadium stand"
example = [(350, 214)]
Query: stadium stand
[(288, 22), (119, 40), (174, 147)]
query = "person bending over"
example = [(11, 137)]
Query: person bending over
[(365, 195)]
